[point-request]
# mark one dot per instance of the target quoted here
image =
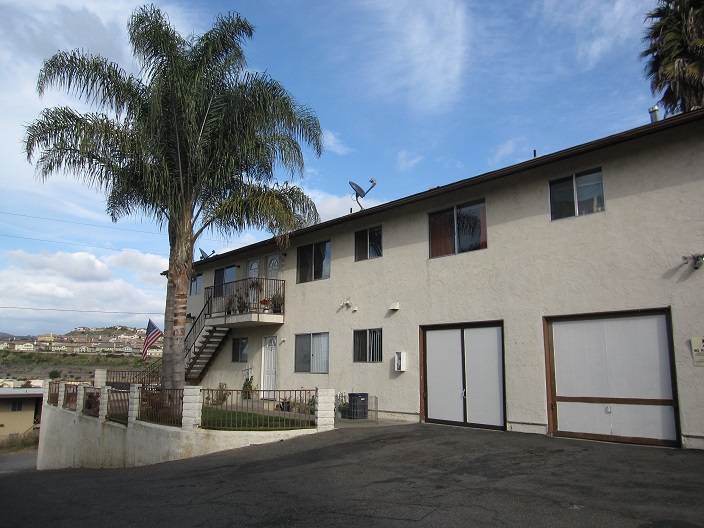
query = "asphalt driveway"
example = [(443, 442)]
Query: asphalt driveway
[(418, 475)]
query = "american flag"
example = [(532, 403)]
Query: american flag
[(153, 334)]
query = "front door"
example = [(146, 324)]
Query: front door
[(269, 367)]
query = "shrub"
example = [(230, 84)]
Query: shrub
[(55, 374)]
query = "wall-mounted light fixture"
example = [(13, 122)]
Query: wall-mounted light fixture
[(697, 259), (395, 306)]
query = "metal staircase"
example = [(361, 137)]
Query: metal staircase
[(204, 348), (202, 343)]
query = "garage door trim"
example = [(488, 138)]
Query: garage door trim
[(424, 369), (553, 399)]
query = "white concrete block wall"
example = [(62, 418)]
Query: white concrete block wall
[(103, 410), (192, 408), (62, 391), (100, 378), (133, 404), (80, 398), (325, 412)]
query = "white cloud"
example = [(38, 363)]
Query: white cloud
[(73, 281), (598, 26), (80, 266), (407, 160), (333, 143), (416, 50), (146, 266), (332, 205), (510, 151)]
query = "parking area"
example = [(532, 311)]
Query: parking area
[(422, 475)]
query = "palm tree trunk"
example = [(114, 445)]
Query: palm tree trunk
[(180, 264)]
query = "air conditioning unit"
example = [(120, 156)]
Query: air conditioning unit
[(400, 362)]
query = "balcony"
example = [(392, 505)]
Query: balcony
[(246, 302)]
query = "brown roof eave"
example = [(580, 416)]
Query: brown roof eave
[(591, 146)]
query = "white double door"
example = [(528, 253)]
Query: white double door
[(465, 375)]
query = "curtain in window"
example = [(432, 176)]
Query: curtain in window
[(321, 260), (375, 248), (375, 345), (561, 198), (302, 362), (319, 353), (471, 227), (305, 263), (442, 233), (360, 245), (359, 345)]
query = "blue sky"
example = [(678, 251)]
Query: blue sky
[(413, 93)]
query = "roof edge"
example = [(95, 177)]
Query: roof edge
[(583, 148)]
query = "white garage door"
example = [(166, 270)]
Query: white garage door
[(464, 376), (613, 379)]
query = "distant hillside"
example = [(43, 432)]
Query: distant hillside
[(5, 337)]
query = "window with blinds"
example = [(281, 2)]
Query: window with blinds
[(312, 353), (366, 346)]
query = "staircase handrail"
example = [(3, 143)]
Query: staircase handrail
[(196, 329)]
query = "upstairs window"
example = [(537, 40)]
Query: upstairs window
[(366, 345), (197, 284), (223, 276), (577, 195), (313, 262), (458, 229), (312, 353), (367, 244), (239, 350)]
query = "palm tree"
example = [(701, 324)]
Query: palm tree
[(675, 54), (193, 141)]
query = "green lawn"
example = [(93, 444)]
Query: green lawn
[(224, 419)]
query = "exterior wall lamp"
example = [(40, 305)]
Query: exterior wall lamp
[(697, 260)]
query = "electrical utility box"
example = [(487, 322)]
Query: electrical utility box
[(400, 362)]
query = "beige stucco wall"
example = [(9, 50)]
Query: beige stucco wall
[(627, 257), (16, 422)]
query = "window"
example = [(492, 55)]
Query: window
[(197, 284), (366, 345), (458, 229), (239, 350), (367, 244), (223, 276), (314, 262), (577, 195), (312, 353), (16, 405)]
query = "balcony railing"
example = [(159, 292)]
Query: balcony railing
[(247, 296)]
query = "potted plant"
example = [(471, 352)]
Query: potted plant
[(284, 405), (229, 304), (248, 388), (265, 305), (277, 303), (241, 304)]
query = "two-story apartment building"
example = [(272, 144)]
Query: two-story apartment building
[(550, 296)]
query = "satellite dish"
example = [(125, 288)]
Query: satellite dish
[(204, 255), (361, 193)]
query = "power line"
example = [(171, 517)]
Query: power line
[(99, 226), (75, 310), (62, 242)]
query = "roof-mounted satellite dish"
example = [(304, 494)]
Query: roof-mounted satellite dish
[(204, 255), (361, 193)]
